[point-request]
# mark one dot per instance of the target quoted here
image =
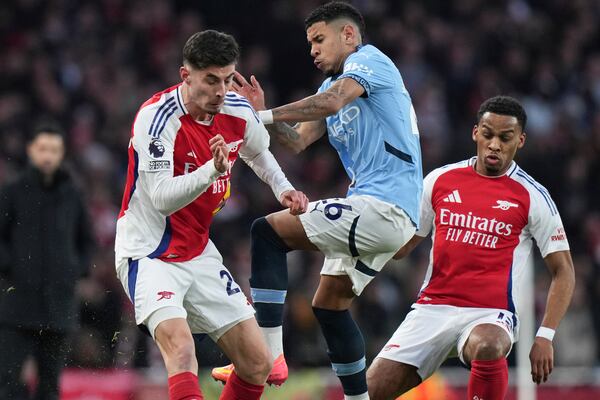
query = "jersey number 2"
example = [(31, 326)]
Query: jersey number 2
[(230, 290)]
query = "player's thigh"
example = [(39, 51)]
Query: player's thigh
[(152, 285), (424, 339), (487, 332), (214, 303), (360, 270), (387, 379), (289, 228), (356, 226)]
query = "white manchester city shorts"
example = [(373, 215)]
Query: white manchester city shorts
[(358, 235), (431, 333), (201, 290)]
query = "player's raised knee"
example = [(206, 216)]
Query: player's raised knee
[(260, 226), (489, 349)]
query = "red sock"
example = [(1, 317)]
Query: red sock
[(489, 379), (237, 389), (184, 386)]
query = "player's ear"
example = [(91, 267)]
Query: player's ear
[(474, 133), (522, 140), (184, 73), (348, 33)]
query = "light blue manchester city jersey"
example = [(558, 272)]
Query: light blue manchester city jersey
[(376, 135)]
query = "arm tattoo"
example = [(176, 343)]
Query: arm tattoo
[(284, 133), (312, 108)]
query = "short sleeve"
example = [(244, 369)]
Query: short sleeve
[(371, 71), (427, 214), (545, 224), (154, 148)]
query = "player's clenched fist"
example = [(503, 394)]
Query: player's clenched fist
[(220, 153), (295, 200)]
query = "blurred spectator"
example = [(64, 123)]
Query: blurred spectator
[(45, 244)]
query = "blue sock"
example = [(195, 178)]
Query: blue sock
[(269, 278), (346, 349)]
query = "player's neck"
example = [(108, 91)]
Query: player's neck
[(195, 112)]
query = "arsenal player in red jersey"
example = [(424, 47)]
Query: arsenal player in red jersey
[(184, 142), (483, 214)]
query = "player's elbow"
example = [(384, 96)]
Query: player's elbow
[(334, 105), (329, 104), (166, 211), (161, 206)]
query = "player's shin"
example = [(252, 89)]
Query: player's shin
[(269, 282), (488, 380), (346, 351)]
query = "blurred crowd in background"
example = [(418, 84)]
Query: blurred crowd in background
[(90, 64)]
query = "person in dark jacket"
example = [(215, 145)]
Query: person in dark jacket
[(45, 244)]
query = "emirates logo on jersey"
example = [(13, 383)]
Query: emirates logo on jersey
[(471, 221), (473, 230)]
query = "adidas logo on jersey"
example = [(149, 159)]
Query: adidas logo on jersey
[(192, 154), (453, 197)]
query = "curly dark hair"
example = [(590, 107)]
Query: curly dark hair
[(210, 48), (504, 105), (333, 10)]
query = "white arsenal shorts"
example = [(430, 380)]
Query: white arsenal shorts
[(358, 235), (201, 290), (432, 333)]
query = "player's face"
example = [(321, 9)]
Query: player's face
[(46, 152), (206, 88), (327, 46), (498, 137)]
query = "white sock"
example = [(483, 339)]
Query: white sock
[(274, 338), (363, 396)]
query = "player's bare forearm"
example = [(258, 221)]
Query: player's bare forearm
[(311, 108), (561, 289), (541, 355), (320, 105), (286, 135), (300, 136)]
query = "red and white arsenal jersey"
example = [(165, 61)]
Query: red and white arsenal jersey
[(482, 230), (166, 138)]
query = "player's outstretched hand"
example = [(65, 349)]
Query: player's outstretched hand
[(295, 200), (542, 359), (220, 153), (252, 91)]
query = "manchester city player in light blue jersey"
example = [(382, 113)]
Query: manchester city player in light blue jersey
[(367, 113)]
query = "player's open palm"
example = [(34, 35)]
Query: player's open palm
[(542, 359), (295, 200), (220, 153), (250, 90)]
